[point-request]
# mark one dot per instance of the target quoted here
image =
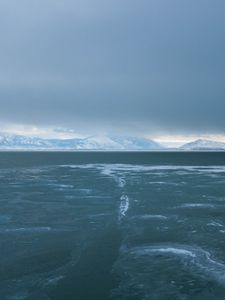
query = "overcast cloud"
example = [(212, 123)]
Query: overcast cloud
[(139, 65)]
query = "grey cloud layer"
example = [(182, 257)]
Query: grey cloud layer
[(98, 62)]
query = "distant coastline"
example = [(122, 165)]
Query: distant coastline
[(100, 143)]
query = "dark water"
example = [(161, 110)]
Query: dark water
[(99, 226)]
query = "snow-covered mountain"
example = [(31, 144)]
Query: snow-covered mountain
[(136, 143), (19, 142), (201, 144)]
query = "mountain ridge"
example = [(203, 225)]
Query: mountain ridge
[(100, 142), (203, 144), (20, 142)]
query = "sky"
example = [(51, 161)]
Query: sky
[(153, 68)]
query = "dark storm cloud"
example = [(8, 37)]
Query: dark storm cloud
[(116, 62)]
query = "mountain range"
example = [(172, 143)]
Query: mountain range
[(97, 142), (19, 142)]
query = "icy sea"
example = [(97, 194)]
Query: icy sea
[(107, 225)]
